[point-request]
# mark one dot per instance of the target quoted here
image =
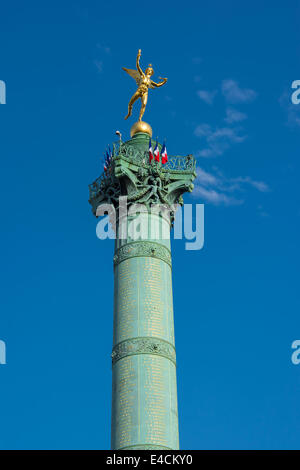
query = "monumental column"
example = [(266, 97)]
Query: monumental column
[(144, 390)]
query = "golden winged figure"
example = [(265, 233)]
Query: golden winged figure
[(144, 82)]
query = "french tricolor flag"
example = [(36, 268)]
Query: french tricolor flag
[(106, 161), (150, 151), (156, 152), (164, 154)]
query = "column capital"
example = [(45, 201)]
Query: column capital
[(130, 174)]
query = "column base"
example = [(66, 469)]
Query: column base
[(146, 447)]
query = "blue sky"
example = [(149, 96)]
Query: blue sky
[(230, 66)]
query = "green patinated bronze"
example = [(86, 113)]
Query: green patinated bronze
[(143, 346), (143, 248), (144, 390)]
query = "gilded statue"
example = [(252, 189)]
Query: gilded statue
[(144, 82)]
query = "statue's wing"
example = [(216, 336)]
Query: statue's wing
[(134, 74)]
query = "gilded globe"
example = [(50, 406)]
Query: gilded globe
[(141, 126)]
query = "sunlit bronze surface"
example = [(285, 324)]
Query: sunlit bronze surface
[(144, 82)]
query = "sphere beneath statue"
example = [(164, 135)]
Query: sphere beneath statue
[(141, 126)]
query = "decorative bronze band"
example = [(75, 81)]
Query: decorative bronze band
[(143, 345), (145, 447), (143, 248)]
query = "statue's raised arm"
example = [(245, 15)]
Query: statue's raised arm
[(138, 63)]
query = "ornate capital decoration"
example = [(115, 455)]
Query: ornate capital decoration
[(143, 248), (143, 345), (130, 174)]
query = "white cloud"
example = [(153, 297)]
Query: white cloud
[(207, 96), (217, 189), (233, 115), (259, 185), (215, 197), (214, 150), (234, 94), (217, 140), (202, 130), (214, 187), (206, 178), (226, 133)]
